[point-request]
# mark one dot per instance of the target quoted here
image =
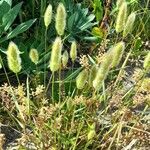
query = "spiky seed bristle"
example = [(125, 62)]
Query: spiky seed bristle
[(13, 58), (60, 19), (117, 52), (81, 79), (73, 51), (48, 16), (146, 64), (102, 71), (55, 60), (129, 24), (121, 18), (65, 58), (34, 56)]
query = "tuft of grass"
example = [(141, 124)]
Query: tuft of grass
[(103, 111)]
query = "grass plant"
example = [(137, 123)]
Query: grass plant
[(87, 103)]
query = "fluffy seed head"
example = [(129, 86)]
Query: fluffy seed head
[(65, 58), (129, 24), (55, 60), (34, 56), (48, 16), (73, 51), (102, 71), (119, 3), (121, 18), (81, 79), (92, 74), (13, 58), (117, 52), (60, 19), (146, 64), (91, 132)]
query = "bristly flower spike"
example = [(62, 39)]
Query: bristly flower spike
[(81, 79), (121, 18), (73, 51), (65, 58), (60, 19), (34, 56), (55, 61), (102, 71), (13, 58), (146, 64), (48, 15), (129, 24), (117, 52)]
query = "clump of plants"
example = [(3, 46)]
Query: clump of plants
[(91, 108)]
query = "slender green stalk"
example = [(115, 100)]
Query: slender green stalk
[(53, 81), (69, 93), (33, 6), (49, 82), (60, 85), (18, 79), (45, 58), (28, 96), (77, 136)]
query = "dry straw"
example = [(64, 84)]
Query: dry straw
[(34, 56), (60, 19), (81, 79), (121, 18), (55, 61), (102, 71), (146, 64), (73, 51), (65, 58), (48, 16), (129, 24), (117, 52), (13, 58)]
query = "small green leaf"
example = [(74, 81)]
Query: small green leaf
[(98, 32), (4, 8), (10, 16), (19, 29), (98, 9), (71, 22), (73, 75)]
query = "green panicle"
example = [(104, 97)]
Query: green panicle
[(34, 56), (119, 3), (117, 52), (81, 79), (13, 58), (73, 51), (121, 18), (65, 58), (92, 75), (91, 132), (129, 24), (146, 64), (60, 19), (102, 71), (48, 15), (55, 61)]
